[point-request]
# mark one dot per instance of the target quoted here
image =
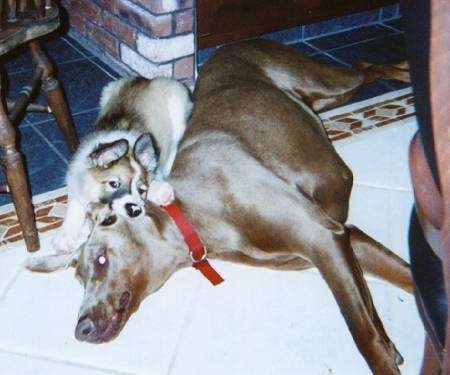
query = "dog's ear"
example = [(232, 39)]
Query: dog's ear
[(50, 263), (107, 153), (146, 152)]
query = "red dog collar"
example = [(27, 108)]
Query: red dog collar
[(197, 251)]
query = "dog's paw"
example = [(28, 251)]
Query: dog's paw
[(160, 193)]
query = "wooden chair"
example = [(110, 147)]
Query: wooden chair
[(23, 22), (430, 171)]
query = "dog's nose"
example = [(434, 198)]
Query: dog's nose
[(133, 210), (85, 329)]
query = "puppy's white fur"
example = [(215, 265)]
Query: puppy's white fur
[(164, 106)]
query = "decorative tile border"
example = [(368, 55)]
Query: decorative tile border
[(367, 115), (340, 123)]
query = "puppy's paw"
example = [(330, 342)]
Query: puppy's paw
[(160, 193), (63, 242), (66, 241)]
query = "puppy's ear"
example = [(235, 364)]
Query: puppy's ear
[(107, 153), (50, 263), (146, 152)]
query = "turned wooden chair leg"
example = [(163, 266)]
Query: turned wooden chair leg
[(17, 182), (55, 96), (430, 362)]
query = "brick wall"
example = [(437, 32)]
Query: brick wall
[(145, 37)]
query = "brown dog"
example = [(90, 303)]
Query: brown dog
[(259, 179)]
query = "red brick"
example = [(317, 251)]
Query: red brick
[(87, 9), (104, 40), (184, 21), (186, 4), (77, 22), (184, 68), (153, 25), (108, 5), (123, 31)]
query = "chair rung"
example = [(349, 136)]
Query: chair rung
[(32, 107), (4, 189)]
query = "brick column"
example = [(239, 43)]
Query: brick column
[(141, 37)]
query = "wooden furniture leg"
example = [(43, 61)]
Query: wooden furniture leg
[(430, 362), (17, 181), (55, 96)]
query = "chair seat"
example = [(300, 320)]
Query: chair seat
[(426, 267), (14, 34)]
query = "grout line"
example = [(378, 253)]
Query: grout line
[(40, 122), (391, 27), (92, 60), (61, 156), (57, 64), (383, 187), (10, 284), (75, 47), (327, 54), (342, 30), (363, 41), (313, 47), (64, 362), (186, 319)]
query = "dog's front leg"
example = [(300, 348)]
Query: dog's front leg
[(73, 231), (340, 269)]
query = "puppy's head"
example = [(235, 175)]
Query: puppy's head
[(119, 174)]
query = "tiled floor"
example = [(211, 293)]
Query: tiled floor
[(259, 321)]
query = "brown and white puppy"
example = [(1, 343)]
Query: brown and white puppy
[(129, 153), (258, 178)]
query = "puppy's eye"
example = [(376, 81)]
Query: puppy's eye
[(110, 220), (142, 189), (114, 184)]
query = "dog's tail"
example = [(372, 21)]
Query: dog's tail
[(377, 260), (372, 72)]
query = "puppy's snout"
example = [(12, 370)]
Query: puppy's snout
[(133, 210)]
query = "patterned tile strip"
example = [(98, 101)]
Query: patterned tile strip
[(50, 213)]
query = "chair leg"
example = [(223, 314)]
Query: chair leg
[(17, 182), (55, 96), (430, 362)]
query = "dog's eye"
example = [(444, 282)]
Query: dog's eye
[(101, 261), (114, 184), (110, 220)]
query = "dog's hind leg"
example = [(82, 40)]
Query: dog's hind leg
[(339, 267), (379, 261), (320, 85), (372, 72)]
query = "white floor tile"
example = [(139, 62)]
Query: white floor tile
[(20, 364), (39, 314), (383, 214), (273, 322), (380, 157), (11, 260)]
